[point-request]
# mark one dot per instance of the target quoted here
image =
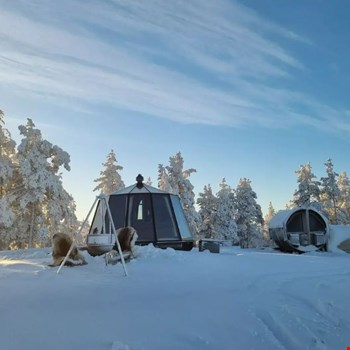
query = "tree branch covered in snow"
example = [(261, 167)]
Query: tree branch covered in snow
[(174, 179), (110, 179), (34, 204)]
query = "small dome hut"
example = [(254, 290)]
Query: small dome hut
[(299, 229), (157, 216)]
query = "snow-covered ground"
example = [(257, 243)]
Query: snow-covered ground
[(238, 299)]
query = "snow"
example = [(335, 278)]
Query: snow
[(338, 234), (238, 299), (279, 220)]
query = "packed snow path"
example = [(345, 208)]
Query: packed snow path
[(238, 299)]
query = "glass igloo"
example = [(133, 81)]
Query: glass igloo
[(299, 229), (157, 216)]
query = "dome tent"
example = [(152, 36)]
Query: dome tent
[(299, 229), (156, 215)]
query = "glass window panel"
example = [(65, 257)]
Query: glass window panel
[(295, 223), (164, 219), (117, 205), (180, 217), (316, 222), (96, 225), (140, 216)]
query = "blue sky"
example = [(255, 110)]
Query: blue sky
[(242, 88)]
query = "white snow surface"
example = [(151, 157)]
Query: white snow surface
[(238, 299), (338, 234)]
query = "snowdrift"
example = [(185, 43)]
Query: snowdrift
[(238, 299)]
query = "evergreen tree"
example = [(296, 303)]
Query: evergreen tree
[(60, 214), (330, 193), (110, 179), (308, 192), (225, 224), (163, 179), (343, 184), (249, 217), (8, 174), (7, 158), (208, 207), (269, 215), (40, 194), (176, 179)]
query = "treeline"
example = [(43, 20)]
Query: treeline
[(330, 194), (232, 214), (34, 204)]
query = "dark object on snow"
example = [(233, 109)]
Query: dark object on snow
[(345, 246), (209, 244), (299, 229), (127, 237), (61, 244), (157, 216)]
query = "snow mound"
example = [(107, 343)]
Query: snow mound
[(175, 300), (35, 253), (151, 252)]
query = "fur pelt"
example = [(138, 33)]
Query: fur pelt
[(127, 237), (61, 244)]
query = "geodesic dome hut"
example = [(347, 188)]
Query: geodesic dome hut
[(299, 229), (157, 216)]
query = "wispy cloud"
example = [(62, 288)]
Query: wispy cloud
[(213, 62)]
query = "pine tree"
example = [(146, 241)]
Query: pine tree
[(110, 179), (163, 180), (308, 192), (8, 173), (269, 215), (248, 216), (343, 184), (330, 193), (208, 207), (40, 195), (176, 179), (7, 158), (225, 224)]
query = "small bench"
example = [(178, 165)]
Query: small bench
[(211, 244)]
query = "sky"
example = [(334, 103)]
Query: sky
[(243, 89)]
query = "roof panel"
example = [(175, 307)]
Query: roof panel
[(135, 189)]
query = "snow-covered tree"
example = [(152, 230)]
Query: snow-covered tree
[(267, 218), (249, 217), (330, 193), (8, 174), (149, 181), (40, 195), (7, 158), (110, 179), (343, 184), (175, 178), (60, 213), (163, 179), (225, 223), (308, 192), (7, 219), (208, 207)]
